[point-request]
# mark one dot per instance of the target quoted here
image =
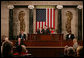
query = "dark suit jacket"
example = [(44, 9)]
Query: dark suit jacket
[(38, 31), (71, 37), (23, 37), (47, 31), (43, 31)]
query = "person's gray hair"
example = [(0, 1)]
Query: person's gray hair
[(70, 50)]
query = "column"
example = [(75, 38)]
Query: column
[(56, 19), (34, 19), (30, 18), (10, 21), (59, 7), (79, 22)]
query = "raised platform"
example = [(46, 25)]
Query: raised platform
[(49, 40), (46, 52), (51, 45), (38, 43)]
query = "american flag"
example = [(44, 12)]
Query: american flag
[(45, 17)]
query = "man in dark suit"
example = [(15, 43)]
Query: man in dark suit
[(46, 30), (39, 31), (70, 36), (22, 36)]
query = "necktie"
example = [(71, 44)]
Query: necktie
[(21, 37)]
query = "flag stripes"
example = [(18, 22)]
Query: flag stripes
[(49, 19)]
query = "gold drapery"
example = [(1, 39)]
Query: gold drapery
[(21, 19), (68, 22)]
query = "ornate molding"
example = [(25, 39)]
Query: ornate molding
[(31, 6), (59, 6), (79, 6), (10, 6)]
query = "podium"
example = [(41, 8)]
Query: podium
[(48, 37)]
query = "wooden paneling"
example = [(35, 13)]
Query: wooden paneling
[(47, 48), (39, 43), (46, 52), (45, 37), (54, 40)]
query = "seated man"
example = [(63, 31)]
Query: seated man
[(46, 30), (21, 39), (22, 36), (39, 31), (70, 36)]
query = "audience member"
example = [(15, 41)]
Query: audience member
[(2, 40), (66, 51), (80, 51), (75, 44), (7, 48), (70, 52)]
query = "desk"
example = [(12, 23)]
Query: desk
[(48, 37)]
